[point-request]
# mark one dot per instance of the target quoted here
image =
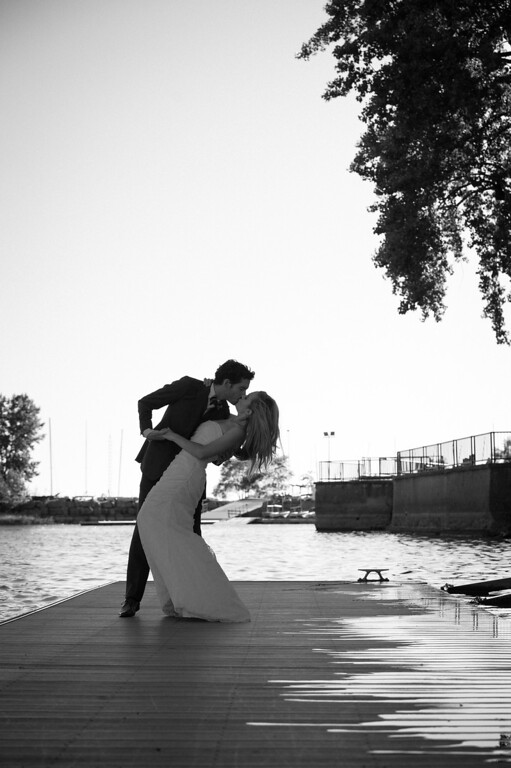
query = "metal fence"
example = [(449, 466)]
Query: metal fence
[(489, 448), (360, 469)]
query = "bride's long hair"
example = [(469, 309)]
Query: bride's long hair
[(262, 431)]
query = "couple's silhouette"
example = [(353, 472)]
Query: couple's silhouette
[(196, 428)]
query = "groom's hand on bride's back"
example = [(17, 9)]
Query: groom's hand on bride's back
[(240, 455), (223, 457)]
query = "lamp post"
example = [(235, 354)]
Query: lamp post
[(51, 459), (328, 436)]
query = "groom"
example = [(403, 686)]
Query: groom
[(189, 402)]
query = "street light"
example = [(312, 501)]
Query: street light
[(328, 435)]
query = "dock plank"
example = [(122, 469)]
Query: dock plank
[(326, 674)]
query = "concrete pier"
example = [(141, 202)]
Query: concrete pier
[(468, 499), (354, 505)]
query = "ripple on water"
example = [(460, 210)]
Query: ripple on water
[(65, 560)]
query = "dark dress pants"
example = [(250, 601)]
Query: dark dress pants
[(138, 567)]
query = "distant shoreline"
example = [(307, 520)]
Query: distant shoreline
[(18, 519), (13, 519)]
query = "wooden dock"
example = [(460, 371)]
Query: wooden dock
[(326, 674)]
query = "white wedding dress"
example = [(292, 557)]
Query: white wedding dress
[(189, 581)]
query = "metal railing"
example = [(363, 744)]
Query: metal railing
[(361, 469), (488, 448)]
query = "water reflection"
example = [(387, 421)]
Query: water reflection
[(440, 672), (40, 564)]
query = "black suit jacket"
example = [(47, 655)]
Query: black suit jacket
[(186, 400)]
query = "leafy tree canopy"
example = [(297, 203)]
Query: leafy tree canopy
[(434, 80), (235, 476), (19, 432)]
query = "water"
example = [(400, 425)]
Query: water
[(40, 564)]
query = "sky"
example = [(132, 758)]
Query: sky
[(175, 192)]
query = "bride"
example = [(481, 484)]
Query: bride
[(188, 579)]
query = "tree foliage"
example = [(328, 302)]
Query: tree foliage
[(19, 432), (235, 476), (435, 83)]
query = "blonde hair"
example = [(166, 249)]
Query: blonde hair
[(262, 431)]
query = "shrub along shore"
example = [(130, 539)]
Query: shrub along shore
[(38, 510), (80, 509)]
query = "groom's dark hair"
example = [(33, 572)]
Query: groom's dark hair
[(233, 371)]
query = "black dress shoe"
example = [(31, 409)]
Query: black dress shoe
[(129, 608)]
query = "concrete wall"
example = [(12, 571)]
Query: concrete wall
[(500, 495), (473, 499), (468, 499), (358, 505)]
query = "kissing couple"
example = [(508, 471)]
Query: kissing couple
[(197, 428)]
